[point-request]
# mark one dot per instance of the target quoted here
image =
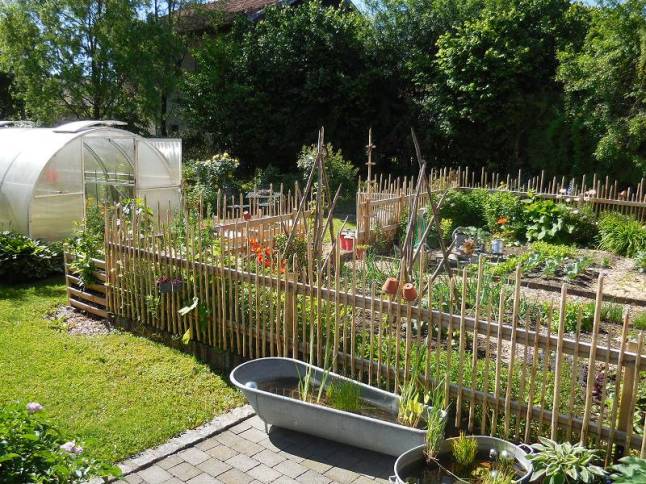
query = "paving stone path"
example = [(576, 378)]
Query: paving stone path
[(245, 454)]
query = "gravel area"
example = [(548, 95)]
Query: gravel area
[(79, 323)]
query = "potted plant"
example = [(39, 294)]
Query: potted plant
[(164, 285), (361, 251), (565, 463), (409, 292), (390, 286), (167, 285)]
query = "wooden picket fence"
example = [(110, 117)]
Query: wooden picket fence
[(88, 297), (380, 202), (505, 373)]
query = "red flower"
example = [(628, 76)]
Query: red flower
[(502, 220)]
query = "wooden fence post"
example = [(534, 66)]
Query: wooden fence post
[(290, 310)]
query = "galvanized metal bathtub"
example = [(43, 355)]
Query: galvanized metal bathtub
[(345, 427)]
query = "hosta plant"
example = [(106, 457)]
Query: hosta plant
[(561, 463), (630, 469)]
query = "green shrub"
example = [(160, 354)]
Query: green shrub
[(504, 213), (547, 221), (621, 235), (339, 170), (584, 225), (465, 209), (640, 261), (31, 450), (24, 259)]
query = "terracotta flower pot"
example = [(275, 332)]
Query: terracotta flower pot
[(409, 292), (246, 215), (390, 286)]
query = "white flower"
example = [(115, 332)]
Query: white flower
[(33, 407), (71, 447)]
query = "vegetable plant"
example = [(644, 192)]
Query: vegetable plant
[(560, 463)]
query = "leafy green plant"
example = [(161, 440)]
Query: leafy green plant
[(24, 259), (630, 469), (464, 208), (344, 395), (621, 234), (564, 463), (32, 450), (464, 450), (546, 221), (297, 247), (381, 244), (583, 224), (640, 260)]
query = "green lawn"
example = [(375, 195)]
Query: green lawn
[(118, 393)]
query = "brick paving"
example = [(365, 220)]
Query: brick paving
[(246, 454)]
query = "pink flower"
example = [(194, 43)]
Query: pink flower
[(33, 407), (71, 447)]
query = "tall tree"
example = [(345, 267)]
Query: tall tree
[(67, 59), (605, 86), (495, 80), (265, 89)]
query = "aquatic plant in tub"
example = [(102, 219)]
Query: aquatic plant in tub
[(477, 459), (275, 389)]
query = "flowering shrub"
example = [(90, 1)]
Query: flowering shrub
[(31, 450), (205, 177)]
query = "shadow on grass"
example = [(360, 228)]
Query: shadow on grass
[(50, 287)]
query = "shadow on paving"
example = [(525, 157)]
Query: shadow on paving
[(331, 453)]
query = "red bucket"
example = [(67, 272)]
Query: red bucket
[(346, 241)]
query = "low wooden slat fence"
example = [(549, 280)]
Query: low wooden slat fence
[(505, 371), (382, 201), (89, 297)]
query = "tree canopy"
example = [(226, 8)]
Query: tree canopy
[(535, 84)]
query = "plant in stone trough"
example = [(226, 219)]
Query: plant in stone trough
[(561, 463)]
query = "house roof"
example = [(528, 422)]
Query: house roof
[(199, 17)]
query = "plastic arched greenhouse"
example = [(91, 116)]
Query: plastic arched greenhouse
[(49, 175)]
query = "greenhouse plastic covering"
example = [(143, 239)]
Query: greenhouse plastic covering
[(48, 176)]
